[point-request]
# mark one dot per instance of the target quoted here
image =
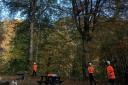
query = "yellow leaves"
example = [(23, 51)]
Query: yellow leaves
[(9, 35)]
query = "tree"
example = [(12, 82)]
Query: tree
[(39, 14), (32, 25), (85, 14), (36, 12)]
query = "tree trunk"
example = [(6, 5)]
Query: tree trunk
[(84, 61), (89, 17), (85, 53), (32, 18), (31, 41), (37, 44)]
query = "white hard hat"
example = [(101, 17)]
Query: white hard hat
[(34, 62), (108, 62), (90, 64)]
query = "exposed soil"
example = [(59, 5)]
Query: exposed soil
[(33, 81)]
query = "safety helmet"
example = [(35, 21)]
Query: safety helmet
[(108, 62), (90, 63)]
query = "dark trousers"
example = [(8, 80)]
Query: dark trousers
[(34, 74), (91, 79), (111, 81)]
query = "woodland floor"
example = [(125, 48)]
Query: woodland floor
[(33, 81)]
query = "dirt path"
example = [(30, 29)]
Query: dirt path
[(33, 81), (66, 82)]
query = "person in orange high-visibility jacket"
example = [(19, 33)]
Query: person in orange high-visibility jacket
[(34, 69), (110, 73), (91, 74)]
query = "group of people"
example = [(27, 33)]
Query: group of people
[(110, 73), (35, 71), (91, 70)]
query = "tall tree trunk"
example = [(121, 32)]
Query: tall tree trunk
[(37, 44), (31, 42), (83, 12), (32, 18), (84, 57), (38, 32)]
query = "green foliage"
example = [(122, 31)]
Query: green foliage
[(112, 46), (21, 42), (19, 51), (15, 65), (56, 37), (58, 46)]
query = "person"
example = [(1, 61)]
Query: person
[(91, 74), (34, 69), (14, 82), (110, 73)]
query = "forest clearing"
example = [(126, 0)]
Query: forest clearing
[(64, 42)]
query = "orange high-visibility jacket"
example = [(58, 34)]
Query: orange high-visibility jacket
[(110, 72), (35, 67), (90, 69)]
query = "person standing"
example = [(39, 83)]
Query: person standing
[(110, 73), (14, 82), (91, 74), (34, 69)]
